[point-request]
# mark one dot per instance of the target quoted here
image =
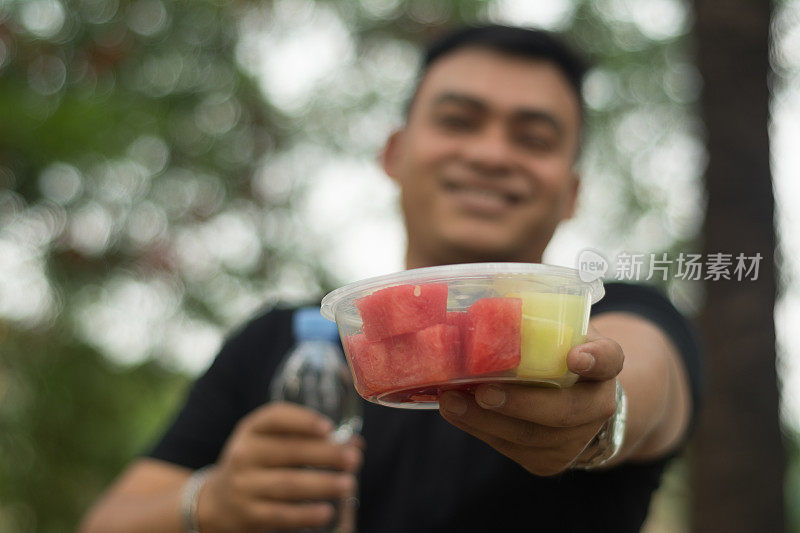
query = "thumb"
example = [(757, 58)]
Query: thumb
[(598, 359)]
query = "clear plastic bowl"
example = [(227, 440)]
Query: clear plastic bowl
[(411, 335)]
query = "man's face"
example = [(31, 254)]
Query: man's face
[(485, 161)]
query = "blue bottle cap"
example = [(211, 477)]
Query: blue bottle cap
[(309, 325)]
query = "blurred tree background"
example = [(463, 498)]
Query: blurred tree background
[(168, 168)]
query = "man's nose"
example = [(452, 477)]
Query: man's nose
[(489, 151)]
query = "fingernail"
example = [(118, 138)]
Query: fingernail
[(585, 362), (352, 457), (491, 396), (455, 405)]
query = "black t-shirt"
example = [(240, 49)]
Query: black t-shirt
[(421, 474)]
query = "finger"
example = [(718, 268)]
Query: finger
[(598, 359), (583, 403), (538, 461), (514, 430), (279, 515), (347, 514), (290, 451), (456, 407), (287, 484), (358, 441), (288, 418)]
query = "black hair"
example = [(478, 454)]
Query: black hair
[(515, 41)]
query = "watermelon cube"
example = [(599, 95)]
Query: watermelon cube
[(461, 320), (402, 309), (429, 356), (492, 344), (370, 363)]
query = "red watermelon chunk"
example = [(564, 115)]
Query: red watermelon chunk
[(492, 344), (370, 363), (461, 320), (402, 309), (428, 356), (423, 357)]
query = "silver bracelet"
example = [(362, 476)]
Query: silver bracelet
[(607, 443), (189, 497)]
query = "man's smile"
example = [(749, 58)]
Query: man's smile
[(483, 197)]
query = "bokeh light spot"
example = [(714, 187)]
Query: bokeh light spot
[(551, 14), (11, 205), (316, 39), (151, 152), (159, 75), (60, 183), (231, 237), (46, 74), (43, 18), (25, 294), (659, 19), (599, 88), (217, 115), (192, 343), (431, 13), (146, 223), (90, 229), (126, 316), (147, 17), (380, 9), (99, 11)]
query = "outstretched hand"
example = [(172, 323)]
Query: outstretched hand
[(544, 430)]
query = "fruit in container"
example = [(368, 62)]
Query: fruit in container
[(427, 356), (402, 309), (492, 340), (548, 332), (411, 335)]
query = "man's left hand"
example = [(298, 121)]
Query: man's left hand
[(544, 430)]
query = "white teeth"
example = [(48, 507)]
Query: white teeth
[(483, 194), (480, 193), (482, 199), (489, 194)]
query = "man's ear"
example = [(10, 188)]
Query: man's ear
[(390, 155), (572, 195)]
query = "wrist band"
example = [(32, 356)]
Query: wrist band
[(608, 441), (189, 497)]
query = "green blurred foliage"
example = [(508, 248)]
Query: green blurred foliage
[(70, 422), (150, 173)]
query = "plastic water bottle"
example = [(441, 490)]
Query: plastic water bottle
[(314, 374)]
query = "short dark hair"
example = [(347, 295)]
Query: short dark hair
[(510, 40)]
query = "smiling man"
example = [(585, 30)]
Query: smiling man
[(485, 165), (485, 161)]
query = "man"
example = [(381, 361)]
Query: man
[(485, 165)]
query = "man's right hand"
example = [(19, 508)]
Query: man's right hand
[(259, 482)]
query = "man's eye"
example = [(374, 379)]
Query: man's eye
[(536, 142), (456, 122)]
